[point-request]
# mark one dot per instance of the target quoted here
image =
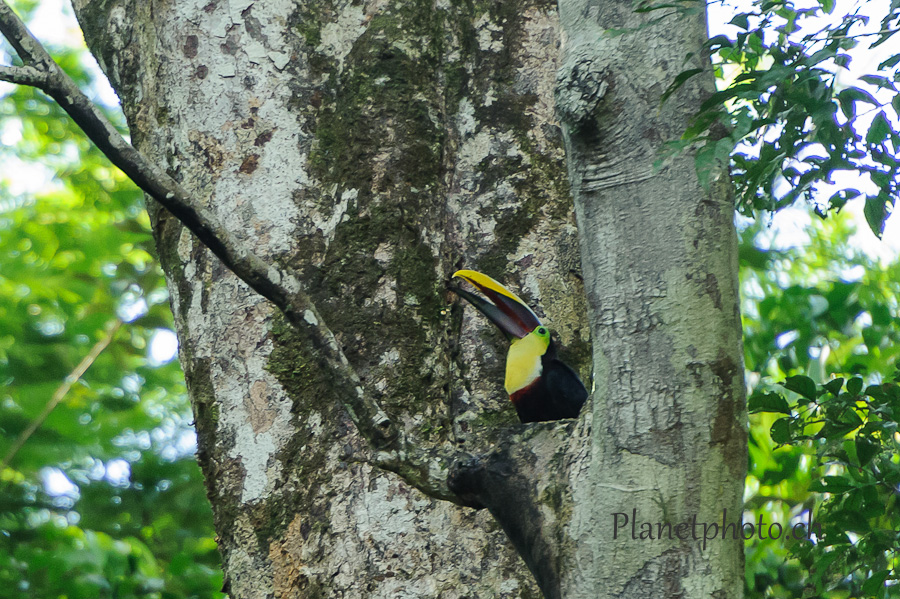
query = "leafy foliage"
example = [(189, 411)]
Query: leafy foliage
[(105, 498), (852, 429), (823, 319), (787, 121)]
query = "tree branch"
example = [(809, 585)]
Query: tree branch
[(428, 470), (280, 287), (515, 481), (23, 76), (26, 45)]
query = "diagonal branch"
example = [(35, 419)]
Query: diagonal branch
[(280, 287)]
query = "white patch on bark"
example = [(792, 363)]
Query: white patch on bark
[(280, 59), (487, 41), (392, 356), (255, 51), (489, 97), (226, 70), (337, 38), (328, 225), (385, 294), (256, 451), (237, 7), (185, 245), (476, 149), (383, 253), (314, 422), (465, 118)]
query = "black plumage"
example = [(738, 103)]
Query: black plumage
[(558, 393)]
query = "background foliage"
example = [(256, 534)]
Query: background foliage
[(105, 499), (821, 326), (821, 331), (790, 120)]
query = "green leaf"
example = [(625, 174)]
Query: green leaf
[(866, 450), (802, 385), (832, 484), (889, 63), (877, 80), (878, 130), (876, 392), (742, 20), (843, 60), (781, 431), (768, 402), (854, 385), (834, 386), (876, 213), (718, 42), (875, 584), (858, 95), (837, 427), (841, 197)]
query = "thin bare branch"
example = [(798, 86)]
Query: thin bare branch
[(280, 287), (24, 76), (26, 45), (61, 392)]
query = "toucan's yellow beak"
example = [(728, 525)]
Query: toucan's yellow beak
[(505, 309)]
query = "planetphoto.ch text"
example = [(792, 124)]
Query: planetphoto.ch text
[(631, 526)]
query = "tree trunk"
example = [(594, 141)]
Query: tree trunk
[(659, 253), (373, 148)]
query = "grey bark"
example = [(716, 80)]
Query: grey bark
[(660, 261), (664, 441), (373, 149)]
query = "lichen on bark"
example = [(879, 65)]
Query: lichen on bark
[(373, 148)]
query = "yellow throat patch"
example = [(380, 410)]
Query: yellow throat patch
[(523, 361)]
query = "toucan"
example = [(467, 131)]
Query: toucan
[(540, 385)]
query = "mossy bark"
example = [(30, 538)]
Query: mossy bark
[(372, 147)]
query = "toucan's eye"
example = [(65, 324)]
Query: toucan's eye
[(542, 331)]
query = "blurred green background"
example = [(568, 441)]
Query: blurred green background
[(105, 499)]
